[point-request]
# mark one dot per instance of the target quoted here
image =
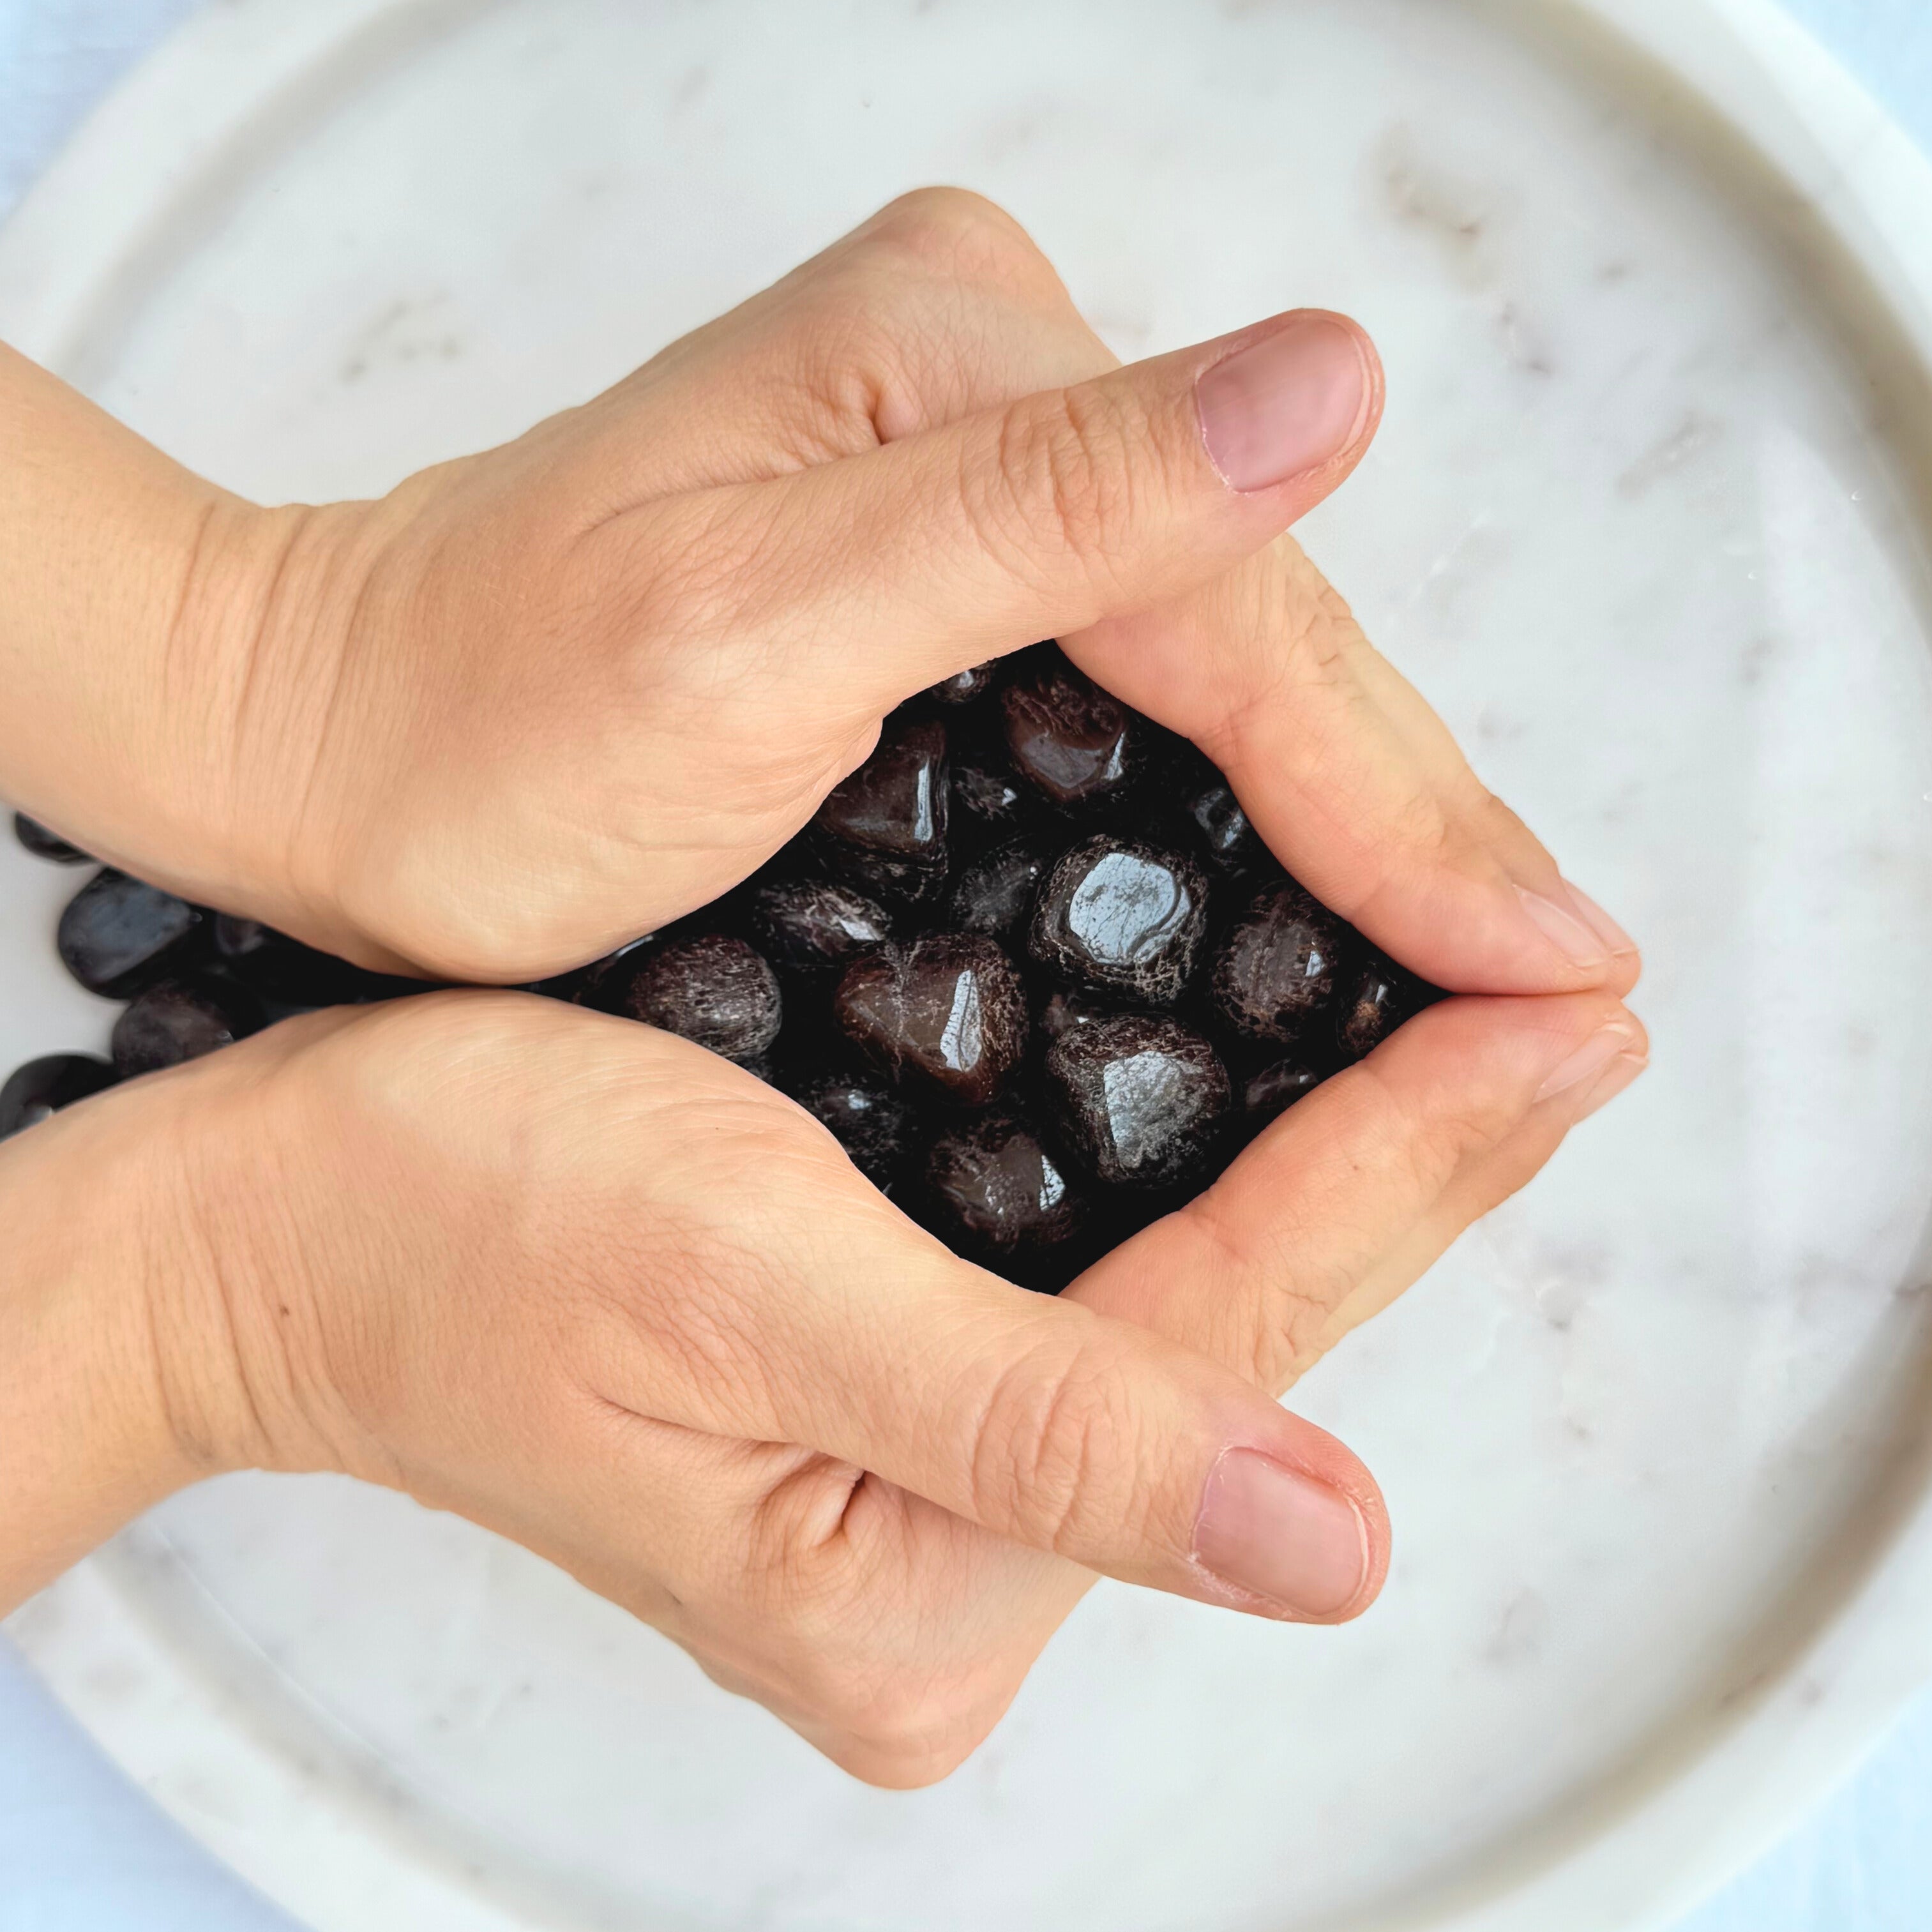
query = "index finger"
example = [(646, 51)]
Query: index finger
[(1341, 1205), (1355, 783)]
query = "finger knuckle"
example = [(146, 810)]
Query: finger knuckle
[(1046, 1447), (1059, 490), (898, 1723), (1277, 1304), (852, 355), (1093, 483), (1321, 636), (954, 232), (1435, 1130), (881, 356), (1495, 825), (1419, 825)]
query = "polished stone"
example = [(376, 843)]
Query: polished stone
[(118, 936), (810, 925), (710, 988), (1068, 738), (1123, 918), (947, 1015), (181, 1020), (996, 1191), (1274, 974), (1141, 1099), (42, 1087)]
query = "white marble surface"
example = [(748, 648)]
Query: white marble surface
[(1635, 523)]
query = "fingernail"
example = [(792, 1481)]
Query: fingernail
[(1589, 1059), (1606, 929), (1284, 405), (1563, 930), (1621, 1072), (1273, 1534)]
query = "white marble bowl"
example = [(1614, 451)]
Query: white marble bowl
[(1645, 522)]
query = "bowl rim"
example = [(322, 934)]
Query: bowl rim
[(329, 1839)]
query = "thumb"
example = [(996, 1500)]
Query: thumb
[(1058, 1428), (1132, 1456), (1049, 513)]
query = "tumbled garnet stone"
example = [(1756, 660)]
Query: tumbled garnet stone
[(1069, 739), (1139, 1096), (996, 1191), (46, 844), (181, 1020), (1118, 917), (712, 988), (43, 1087), (946, 1014), (118, 937), (1276, 970)]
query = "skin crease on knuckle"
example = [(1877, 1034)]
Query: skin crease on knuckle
[(869, 342), (1271, 1310), (1296, 625), (1100, 454), (1054, 469), (886, 333), (1048, 1448)]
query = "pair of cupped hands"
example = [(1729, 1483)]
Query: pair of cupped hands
[(580, 1280)]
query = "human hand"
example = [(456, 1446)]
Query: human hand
[(605, 1294), (538, 700)]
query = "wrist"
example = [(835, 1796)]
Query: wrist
[(162, 1315), (138, 722), (87, 1433), (262, 1185)]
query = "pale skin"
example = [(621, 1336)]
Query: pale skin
[(501, 1254)]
